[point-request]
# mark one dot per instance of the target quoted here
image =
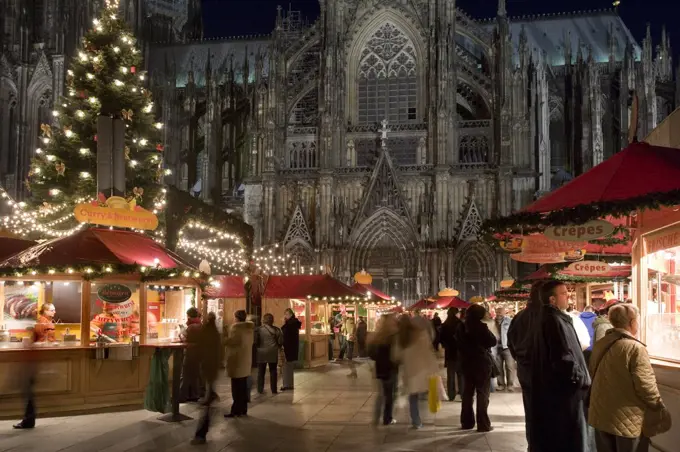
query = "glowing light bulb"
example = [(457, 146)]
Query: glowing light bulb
[(82, 56), (84, 151), (143, 142), (93, 100), (168, 172), (80, 114), (118, 82), (37, 170), (55, 192), (38, 151), (95, 21), (50, 158), (89, 76), (55, 113), (141, 77), (46, 140), (116, 49), (124, 70), (133, 163), (68, 133), (159, 125)]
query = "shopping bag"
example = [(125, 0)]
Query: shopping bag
[(433, 401), (443, 397)]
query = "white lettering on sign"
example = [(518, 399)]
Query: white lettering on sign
[(591, 230), (587, 268)]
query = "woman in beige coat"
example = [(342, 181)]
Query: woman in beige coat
[(239, 362), (624, 386)]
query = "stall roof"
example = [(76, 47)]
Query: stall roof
[(10, 246), (303, 286), (450, 302), (369, 288), (229, 287), (420, 304), (97, 246), (640, 170)]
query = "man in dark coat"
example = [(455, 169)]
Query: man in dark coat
[(361, 334), (451, 361), (291, 344), (559, 378), (520, 341)]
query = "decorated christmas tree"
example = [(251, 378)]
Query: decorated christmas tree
[(104, 78)]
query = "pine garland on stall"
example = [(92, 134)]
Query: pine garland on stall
[(104, 78)]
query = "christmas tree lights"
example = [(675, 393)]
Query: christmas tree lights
[(103, 79)]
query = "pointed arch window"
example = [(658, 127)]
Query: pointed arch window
[(387, 81)]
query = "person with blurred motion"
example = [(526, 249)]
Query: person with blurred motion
[(192, 386), (362, 335), (386, 371), (413, 351), (253, 362), (520, 344), (210, 347), (454, 375), (559, 377), (291, 344), (239, 362), (474, 346)]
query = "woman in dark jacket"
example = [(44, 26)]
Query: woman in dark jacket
[(291, 344), (474, 341), (448, 340)]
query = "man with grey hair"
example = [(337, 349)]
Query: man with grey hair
[(624, 391)]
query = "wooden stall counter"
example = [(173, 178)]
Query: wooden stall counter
[(70, 380), (315, 349)]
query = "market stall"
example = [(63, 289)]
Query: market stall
[(376, 299), (308, 296), (631, 186), (90, 299), (226, 296)]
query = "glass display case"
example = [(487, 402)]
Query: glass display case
[(166, 312)]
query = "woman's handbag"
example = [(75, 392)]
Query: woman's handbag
[(656, 422)]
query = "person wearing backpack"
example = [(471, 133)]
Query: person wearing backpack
[(269, 340)]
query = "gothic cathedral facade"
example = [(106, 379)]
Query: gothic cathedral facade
[(380, 136)]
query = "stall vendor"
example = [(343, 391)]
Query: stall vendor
[(44, 330)]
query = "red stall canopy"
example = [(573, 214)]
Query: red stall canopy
[(317, 286), (229, 287), (10, 246), (98, 246), (450, 302), (421, 304), (369, 288), (640, 170)]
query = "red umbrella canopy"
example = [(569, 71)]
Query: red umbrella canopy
[(11, 246), (638, 171), (98, 246)]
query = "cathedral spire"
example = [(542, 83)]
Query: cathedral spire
[(502, 11)]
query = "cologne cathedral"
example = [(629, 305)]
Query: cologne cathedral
[(378, 136)]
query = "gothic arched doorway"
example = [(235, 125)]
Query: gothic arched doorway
[(385, 246), (474, 271)]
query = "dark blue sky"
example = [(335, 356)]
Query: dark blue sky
[(238, 17)]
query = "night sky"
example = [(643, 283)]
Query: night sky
[(223, 18)]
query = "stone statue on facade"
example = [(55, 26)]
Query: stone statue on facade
[(442, 280), (351, 154), (422, 151)]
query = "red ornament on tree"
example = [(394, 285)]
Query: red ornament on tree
[(95, 138), (133, 70), (81, 94), (159, 147)]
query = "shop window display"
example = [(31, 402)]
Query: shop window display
[(663, 308), (166, 312), (46, 312)]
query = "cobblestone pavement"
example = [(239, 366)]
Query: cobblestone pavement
[(327, 412)]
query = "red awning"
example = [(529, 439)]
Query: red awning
[(369, 288), (420, 304), (98, 246), (229, 287), (302, 286), (639, 170), (450, 302), (11, 246)]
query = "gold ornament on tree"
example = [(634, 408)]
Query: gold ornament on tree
[(127, 152), (46, 130), (127, 114), (46, 206), (61, 168), (138, 192)]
